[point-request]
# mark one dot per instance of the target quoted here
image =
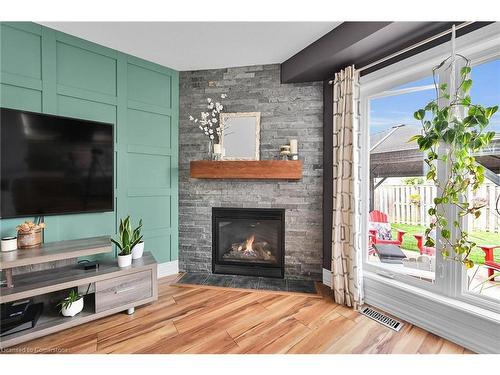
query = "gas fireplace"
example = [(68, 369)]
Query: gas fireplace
[(248, 241)]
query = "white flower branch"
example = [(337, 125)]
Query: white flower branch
[(209, 123)]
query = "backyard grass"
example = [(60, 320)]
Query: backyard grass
[(477, 256)]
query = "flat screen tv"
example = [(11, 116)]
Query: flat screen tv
[(53, 165)]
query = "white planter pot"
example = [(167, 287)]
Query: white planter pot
[(73, 309), (137, 250), (124, 260)]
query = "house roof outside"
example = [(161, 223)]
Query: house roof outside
[(393, 156)]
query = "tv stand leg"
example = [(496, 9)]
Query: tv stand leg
[(130, 311), (8, 276)]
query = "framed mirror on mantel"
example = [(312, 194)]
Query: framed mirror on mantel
[(240, 135)]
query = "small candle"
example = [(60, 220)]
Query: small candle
[(293, 146), (217, 148)]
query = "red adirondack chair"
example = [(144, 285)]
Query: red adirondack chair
[(424, 249), (489, 260), (380, 217), (488, 253)]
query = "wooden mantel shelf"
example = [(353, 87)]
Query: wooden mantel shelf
[(251, 170)]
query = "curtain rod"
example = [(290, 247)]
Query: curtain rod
[(416, 45)]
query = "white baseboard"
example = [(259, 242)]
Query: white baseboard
[(327, 277), (168, 268)]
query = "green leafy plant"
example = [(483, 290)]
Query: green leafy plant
[(136, 233), (452, 134), (72, 297), (128, 238)]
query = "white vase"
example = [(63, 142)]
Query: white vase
[(73, 309), (137, 250), (124, 260)]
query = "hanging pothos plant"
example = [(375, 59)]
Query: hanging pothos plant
[(453, 133)]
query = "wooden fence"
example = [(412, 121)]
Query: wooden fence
[(409, 205)]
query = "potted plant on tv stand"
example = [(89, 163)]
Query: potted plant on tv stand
[(138, 249), (72, 304), (125, 243)]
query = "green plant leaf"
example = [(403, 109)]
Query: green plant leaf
[(466, 85), (490, 111), (414, 138), (464, 71), (449, 136), (119, 245), (419, 115)]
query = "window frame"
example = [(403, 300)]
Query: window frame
[(480, 46)]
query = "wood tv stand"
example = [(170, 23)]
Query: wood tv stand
[(114, 289)]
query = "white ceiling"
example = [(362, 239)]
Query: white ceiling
[(201, 45)]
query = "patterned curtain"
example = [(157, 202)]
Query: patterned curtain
[(346, 251)]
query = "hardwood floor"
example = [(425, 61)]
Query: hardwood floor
[(193, 319)]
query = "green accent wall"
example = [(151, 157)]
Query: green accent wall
[(43, 70)]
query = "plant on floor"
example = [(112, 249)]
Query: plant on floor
[(452, 134), (128, 238)]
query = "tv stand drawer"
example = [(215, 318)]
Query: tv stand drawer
[(123, 290)]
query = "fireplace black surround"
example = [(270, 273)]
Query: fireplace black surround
[(248, 241)]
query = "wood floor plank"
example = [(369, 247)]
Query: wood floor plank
[(431, 345), (392, 338), (322, 338), (362, 338), (134, 340), (259, 323), (210, 317), (451, 348), (409, 342), (312, 314), (219, 343), (191, 319), (278, 339)]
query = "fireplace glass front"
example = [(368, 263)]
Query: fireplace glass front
[(248, 241)]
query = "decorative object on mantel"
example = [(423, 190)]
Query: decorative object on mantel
[(210, 125), (289, 152), (29, 235), (126, 242), (218, 152), (247, 169), (243, 141), (284, 152), (294, 149)]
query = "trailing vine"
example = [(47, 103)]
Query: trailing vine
[(452, 134)]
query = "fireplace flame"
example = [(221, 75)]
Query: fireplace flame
[(248, 244)]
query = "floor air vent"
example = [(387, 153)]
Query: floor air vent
[(382, 318)]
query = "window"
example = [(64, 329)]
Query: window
[(397, 195), (484, 278)]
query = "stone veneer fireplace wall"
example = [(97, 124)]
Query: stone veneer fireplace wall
[(287, 111)]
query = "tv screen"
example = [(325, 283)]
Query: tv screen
[(54, 165)]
